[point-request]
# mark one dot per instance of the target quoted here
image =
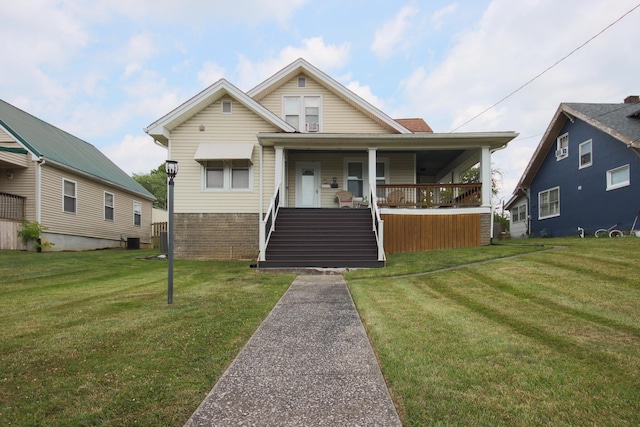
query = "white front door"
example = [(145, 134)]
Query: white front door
[(308, 185)]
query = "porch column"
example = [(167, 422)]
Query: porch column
[(485, 173), (279, 166), (372, 172)]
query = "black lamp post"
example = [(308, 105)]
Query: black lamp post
[(171, 167)]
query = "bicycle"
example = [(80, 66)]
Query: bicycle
[(611, 232)]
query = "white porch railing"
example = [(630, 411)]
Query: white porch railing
[(378, 224), (268, 224)]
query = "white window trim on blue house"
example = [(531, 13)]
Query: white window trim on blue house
[(586, 148), (562, 146), (552, 212), (618, 177)]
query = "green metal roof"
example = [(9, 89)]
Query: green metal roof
[(49, 142)]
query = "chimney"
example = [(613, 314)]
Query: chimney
[(632, 99)]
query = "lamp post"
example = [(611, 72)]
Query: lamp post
[(171, 167)]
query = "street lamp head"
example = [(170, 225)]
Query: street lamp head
[(171, 167)]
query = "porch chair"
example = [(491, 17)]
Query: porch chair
[(395, 198), (345, 199)]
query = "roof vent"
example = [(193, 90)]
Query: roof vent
[(632, 99)]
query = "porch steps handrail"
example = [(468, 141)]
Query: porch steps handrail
[(268, 224), (378, 224), (12, 207)]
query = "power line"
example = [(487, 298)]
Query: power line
[(547, 69)]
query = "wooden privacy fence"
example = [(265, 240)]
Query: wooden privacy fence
[(412, 233), (156, 229)]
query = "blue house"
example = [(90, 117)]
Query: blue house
[(584, 173)]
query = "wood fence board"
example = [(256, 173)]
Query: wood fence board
[(410, 233)]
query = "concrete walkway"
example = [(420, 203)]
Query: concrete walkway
[(309, 364)]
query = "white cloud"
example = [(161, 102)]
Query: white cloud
[(136, 154), (393, 34), (438, 16), (197, 12), (365, 93), (210, 73), (512, 43), (324, 56)]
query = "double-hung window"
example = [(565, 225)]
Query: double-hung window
[(618, 177), (69, 197), (137, 213), (227, 175), (562, 146), (303, 112), (108, 206), (519, 213), (585, 151), (549, 203), (355, 178)]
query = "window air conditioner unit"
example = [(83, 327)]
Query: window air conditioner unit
[(313, 127), (562, 152)]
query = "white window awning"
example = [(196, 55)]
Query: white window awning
[(224, 151)]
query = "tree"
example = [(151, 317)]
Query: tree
[(472, 175), (156, 183)]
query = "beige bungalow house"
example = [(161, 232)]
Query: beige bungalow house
[(68, 186), (300, 171)]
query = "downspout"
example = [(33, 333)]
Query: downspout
[(41, 162)]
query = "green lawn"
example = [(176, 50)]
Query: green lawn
[(552, 338), (88, 338)]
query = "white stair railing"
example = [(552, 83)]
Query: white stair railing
[(268, 224), (378, 224)]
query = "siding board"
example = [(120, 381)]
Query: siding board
[(88, 221), (239, 126), (337, 115)]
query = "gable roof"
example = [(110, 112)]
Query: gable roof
[(300, 66), (58, 147), (622, 121), (161, 128)]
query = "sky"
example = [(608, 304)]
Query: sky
[(103, 70)]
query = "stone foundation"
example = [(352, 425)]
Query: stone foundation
[(485, 229), (216, 236)]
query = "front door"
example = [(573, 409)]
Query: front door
[(308, 185)]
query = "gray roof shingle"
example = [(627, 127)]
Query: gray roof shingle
[(622, 118)]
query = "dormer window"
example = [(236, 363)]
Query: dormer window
[(303, 112)]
